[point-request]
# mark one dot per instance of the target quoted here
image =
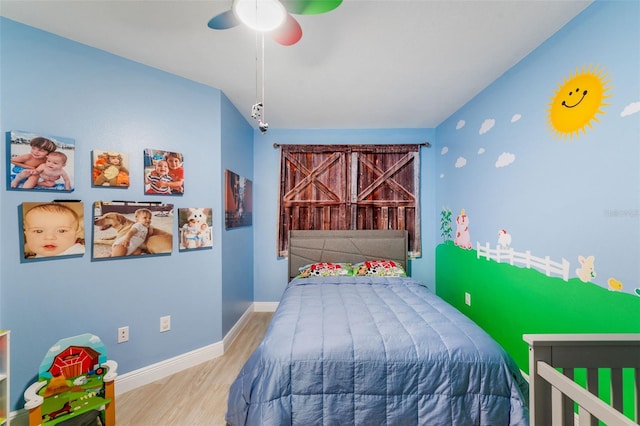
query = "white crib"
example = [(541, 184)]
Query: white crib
[(553, 359)]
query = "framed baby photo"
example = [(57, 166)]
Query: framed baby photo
[(194, 226), (131, 229), (238, 204), (163, 172), (38, 162), (52, 230), (110, 169)]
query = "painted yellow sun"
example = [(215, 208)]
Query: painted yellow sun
[(577, 102)]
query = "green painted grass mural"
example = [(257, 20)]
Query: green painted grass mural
[(509, 301)]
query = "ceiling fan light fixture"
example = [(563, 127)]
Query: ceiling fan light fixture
[(260, 15)]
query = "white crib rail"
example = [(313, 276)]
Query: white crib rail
[(552, 394)]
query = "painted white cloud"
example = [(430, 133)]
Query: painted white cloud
[(460, 125), (441, 175), (487, 125), (632, 108), (515, 118), (505, 159), (481, 151), (461, 162), (444, 150)]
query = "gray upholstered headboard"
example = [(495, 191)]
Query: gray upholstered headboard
[(345, 246)]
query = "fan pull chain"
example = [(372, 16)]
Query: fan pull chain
[(262, 124), (263, 111), (256, 99), (257, 110)]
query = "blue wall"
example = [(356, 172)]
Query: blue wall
[(55, 86), (237, 243), (560, 197)]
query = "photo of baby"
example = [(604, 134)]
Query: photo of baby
[(39, 162), (110, 168), (52, 229), (163, 172), (194, 225), (128, 228)]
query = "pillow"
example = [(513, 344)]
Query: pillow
[(379, 268), (325, 269)]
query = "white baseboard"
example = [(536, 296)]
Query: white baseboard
[(237, 328), (265, 306), (149, 374)]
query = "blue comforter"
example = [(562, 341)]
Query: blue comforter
[(375, 351)]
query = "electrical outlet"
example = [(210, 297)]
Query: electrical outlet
[(467, 299), (123, 334), (165, 323)]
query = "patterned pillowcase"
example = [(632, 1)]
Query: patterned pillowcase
[(379, 268), (325, 269)]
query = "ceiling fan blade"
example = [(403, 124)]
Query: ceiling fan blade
[(223, 21), (310, 7), (288, 33)]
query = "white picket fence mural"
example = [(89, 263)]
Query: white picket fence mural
[(509, 255)]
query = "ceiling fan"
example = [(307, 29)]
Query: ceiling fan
[(272, 16)]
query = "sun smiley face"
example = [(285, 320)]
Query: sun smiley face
[(577, 102)]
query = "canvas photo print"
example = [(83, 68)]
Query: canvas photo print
[(163, 172), (110, 168), (39, 162), (238, 204), (128, 228), (194, 225), (52, 230)]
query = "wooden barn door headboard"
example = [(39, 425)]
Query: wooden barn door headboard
[(341, 187)]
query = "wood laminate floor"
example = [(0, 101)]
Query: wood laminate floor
[(196, 396)]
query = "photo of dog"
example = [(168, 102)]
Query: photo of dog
[(132, 229)]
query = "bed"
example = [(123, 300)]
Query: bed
[(372, 350)]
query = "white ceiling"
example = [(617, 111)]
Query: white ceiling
[(366, 64)]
